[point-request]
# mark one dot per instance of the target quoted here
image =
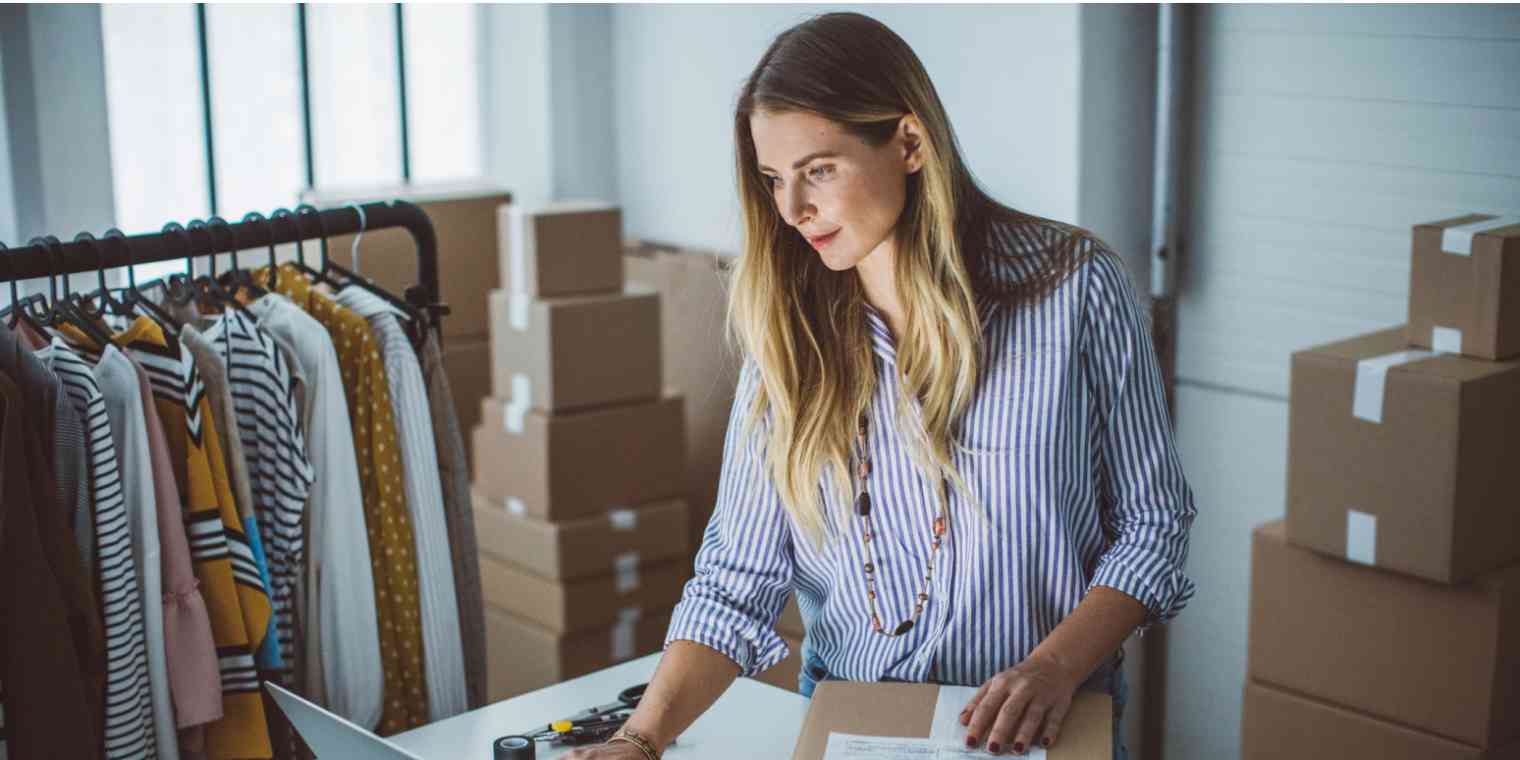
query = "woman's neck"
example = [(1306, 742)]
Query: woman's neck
[(878, 279)]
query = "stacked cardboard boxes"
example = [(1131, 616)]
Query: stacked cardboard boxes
[(579, 456), (1385, 610)]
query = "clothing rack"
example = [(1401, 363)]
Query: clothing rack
[(27, 262)]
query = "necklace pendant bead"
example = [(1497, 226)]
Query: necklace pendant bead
[(876, 624), (863, 504), (939, 527), (866, 537), (923, 597), (865, 468), (870, 567), (903, 627)]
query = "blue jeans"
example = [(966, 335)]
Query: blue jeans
[(813, 672)]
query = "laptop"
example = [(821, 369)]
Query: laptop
[(330, 736)]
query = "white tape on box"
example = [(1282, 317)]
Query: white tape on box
[(1371, 376), (515, 506), (624, 633), (1458, 239), (625, 569), (1361, 537), (513, 412), (521, 238), (1446, 339), (623, 518), (517, 311)]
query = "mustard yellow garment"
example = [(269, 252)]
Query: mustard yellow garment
[(392, 544)]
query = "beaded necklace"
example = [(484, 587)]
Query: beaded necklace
[(863, 509)]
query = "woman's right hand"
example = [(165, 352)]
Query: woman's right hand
[(606, 751)]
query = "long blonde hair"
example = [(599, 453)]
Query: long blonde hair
[(804, 326)]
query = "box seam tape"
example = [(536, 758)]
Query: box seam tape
[(1371, 379), (1446, 339), (1458, 240), (623, 518), (513, 412), (626, 569), (623, 633), (1361, 537), (521, 238)]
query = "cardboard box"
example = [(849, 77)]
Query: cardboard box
[(783, 675), (615, 542), (1464, 286), (1440, 659), (790, 622), (907, 710), (570, 352), (561, 248), (1275, 724), (464, 223), (1404, 462), (693, 286), (563, 466), (522, 656), (585, 603), (467, 364)]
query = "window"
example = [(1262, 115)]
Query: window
[(257, 153)]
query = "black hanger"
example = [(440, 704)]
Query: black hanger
[(242, 277), (209, 290), (67, 309), (108, 303), (274, 266), (133, 298), (413, 321), (320, 274), (20, 309)]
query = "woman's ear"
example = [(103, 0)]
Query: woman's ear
[(910, 132)]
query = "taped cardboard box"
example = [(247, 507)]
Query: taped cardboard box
[(561, 248), (1275, 723), (464, 223), (570, 352), (586, 546), (1403, 459), (467, 364), (907, 710), (1464, 286), (693, 286), (578, 464), (1437, 658), (523, 656), (582, 604), (783, 675)]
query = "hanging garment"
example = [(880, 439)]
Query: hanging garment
[(236, 601), (128, 706), (50, 654), (447, 695), (194, 678), (339, 664), (454, 472), (262, 392), (117, 379), (212, 367), (391, 542)]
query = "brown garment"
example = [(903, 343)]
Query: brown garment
[(53, 647), (454, 471)]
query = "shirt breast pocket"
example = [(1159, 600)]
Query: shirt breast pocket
[(1015, 404)]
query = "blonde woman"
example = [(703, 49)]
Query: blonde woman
[(949, 437)]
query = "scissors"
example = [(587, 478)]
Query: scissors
[(594, 724)]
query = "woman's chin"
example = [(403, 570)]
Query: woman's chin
[(838, 262)]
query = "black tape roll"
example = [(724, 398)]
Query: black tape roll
[(514, 748)]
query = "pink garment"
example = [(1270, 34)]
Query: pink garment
[(195, 679)]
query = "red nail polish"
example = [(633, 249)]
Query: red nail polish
[(1018, 747), (971, 741), (993, 748), (1045, 742)]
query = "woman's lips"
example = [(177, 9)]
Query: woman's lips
[(821, 242)]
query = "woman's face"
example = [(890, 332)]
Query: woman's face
[(825, 182)]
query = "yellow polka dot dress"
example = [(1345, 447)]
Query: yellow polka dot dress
[(391, 541)]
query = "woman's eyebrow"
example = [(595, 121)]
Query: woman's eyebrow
[(798, 164)]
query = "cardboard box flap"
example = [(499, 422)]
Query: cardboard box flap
[(1510, 230), (906, 710), (1441, 367)]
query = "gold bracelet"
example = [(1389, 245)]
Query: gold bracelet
[(644, 745)]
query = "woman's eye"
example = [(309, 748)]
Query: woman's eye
[(828, 167), (816, 172)]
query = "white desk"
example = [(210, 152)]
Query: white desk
[(751, 719)]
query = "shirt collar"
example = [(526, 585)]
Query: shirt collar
[(885, 345)]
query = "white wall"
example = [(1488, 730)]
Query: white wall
[(1008, 77), (1322, 134)]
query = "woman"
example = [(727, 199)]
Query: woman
[(949, 435)]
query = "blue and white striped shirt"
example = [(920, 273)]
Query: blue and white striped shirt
[(1070, 448)]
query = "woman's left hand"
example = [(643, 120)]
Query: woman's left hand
[(1021, 707)]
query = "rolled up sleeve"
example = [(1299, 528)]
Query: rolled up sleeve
[(744, 567), (1148, 508)]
